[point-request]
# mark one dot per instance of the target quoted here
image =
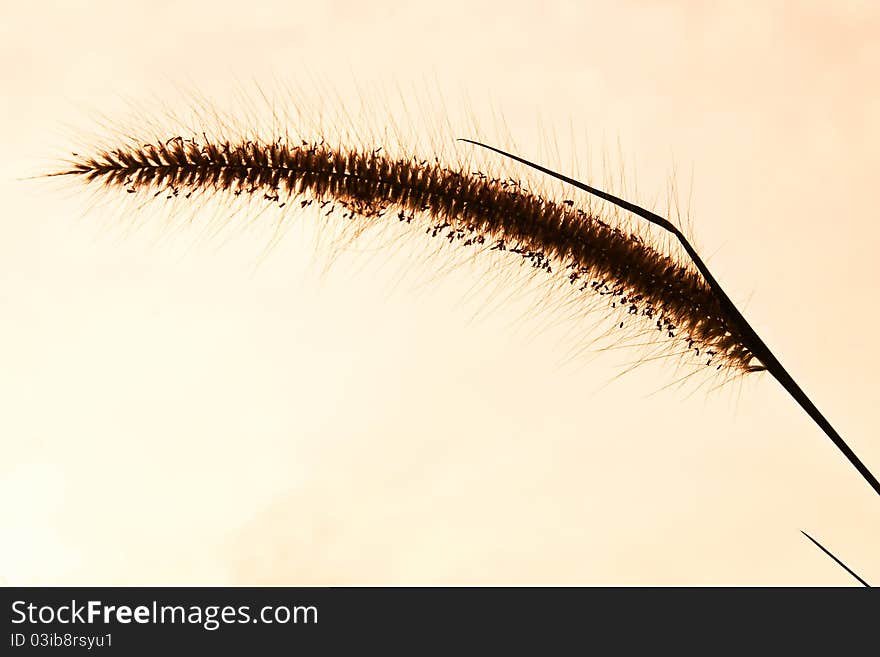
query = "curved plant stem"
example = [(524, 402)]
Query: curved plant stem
[(759, 349)]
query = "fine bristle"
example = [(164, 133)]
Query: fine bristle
[(457, 204)]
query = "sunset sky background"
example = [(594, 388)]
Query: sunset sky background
[(179, 409)]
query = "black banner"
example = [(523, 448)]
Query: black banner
[(329, 620)]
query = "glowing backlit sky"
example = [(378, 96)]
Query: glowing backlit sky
[(182, 410)]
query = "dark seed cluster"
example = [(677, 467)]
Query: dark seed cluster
[(468, 208)]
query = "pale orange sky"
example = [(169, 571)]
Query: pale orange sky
[(180, 410)]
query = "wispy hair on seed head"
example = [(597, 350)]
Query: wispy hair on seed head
[(356, 179)]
